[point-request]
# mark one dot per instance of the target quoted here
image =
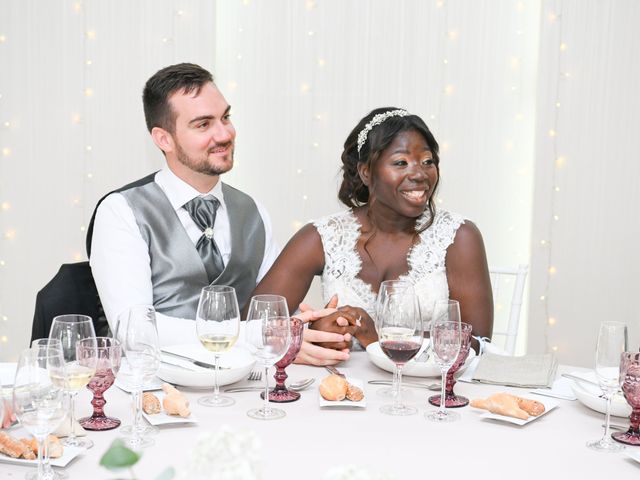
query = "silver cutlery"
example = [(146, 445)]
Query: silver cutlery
[(580, 379), (255, 375), (191, 360), (334, 370), (428, 386), (424, 356), (614, 426), (295, 386)]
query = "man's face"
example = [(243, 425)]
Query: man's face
[(204, 135)]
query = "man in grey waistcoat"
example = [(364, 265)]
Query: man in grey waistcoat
[(159, 240)]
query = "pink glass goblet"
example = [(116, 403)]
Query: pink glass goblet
[(451, 400), (109, 355), (280, 394), (630, 376)]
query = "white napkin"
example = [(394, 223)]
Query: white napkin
[(64, 429), (561, 388), (528, 371)]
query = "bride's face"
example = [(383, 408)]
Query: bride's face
[(405, 175)]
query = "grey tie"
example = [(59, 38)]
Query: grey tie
[(203, 212)]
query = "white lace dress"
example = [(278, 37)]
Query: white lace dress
[(340, 232)]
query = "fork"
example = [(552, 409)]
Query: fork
[(255, 375), (334, 370)]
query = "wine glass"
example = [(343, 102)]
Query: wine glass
[(451, 399), (70, 329), (38, 395), (108, 363), (267, 336), (48, 471), (612, 342), (218, 326), (386, 287), (445, 344), (400, 335), (138, 337), (630, 379), (280, 393)]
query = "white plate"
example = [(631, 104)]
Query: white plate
[(235, 365), (549, 404), (346, 403), (68, 454), (589, 395), (152, 385), (163, 418), (635, 454), (412, 368)]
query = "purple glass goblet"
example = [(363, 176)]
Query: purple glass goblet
[(630, 376), (109, 355), (451, 400), (280, 393)]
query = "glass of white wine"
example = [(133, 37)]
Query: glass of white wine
[(70, 329), (218, 326)]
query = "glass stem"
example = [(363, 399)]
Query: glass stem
[(441, 410), (41, 470), (397, 401), (395, 380), (72, 418), (606, 438), (216, 388), (45, 455), (266, 390), (137, 408)]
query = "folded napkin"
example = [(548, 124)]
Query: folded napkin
[(64, 429), (527, 371)]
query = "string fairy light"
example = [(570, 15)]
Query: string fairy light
[(559, 163)]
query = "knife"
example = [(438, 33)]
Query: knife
[(193, 361), (580, 379), (428, 386)]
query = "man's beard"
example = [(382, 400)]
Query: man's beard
[(202, 165)]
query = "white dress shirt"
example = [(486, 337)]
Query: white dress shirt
[(120, 260)]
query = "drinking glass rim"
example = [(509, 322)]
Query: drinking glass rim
[(219, 289), (267, 297), (78, 318), (613, 323), (116, 342)]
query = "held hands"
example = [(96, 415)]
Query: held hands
[(329, 337)]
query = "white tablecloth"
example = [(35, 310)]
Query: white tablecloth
[(310, 440)]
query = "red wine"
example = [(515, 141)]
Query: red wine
[(399, 351)]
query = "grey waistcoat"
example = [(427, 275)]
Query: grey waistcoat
[(177, 271)]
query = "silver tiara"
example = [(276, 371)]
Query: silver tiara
[(377, 120)]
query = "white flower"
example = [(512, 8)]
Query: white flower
[(354, 472), (227, 454)]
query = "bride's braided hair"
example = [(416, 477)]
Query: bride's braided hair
[(353, 192)]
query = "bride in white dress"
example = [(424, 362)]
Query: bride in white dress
[(391, 230)]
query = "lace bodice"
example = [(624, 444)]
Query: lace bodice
[(340, 232)]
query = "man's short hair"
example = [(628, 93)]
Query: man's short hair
[(185, 77)]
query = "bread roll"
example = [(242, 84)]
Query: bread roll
[(174, 402), (150, 403), (501, 404), (355, 394), (333, 388)]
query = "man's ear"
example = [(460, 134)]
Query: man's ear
[(162, 139), (365, 173)]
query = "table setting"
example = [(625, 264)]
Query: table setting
[(285, 420)]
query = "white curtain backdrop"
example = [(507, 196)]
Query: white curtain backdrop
[(299, 75)]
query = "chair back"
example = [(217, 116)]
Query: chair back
[(72, 290), (508, 289)]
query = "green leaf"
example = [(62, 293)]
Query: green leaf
[(168, 474), (119, 456)]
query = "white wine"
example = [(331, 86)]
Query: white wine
[(75, 377), (218, 343)]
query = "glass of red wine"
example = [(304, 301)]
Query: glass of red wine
[(108, 364), (630, 378), (451, 400), (281, 394), (400, 335)]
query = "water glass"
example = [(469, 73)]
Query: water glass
[(445, 341), (612, 342), (138, 335), (38, 395)]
